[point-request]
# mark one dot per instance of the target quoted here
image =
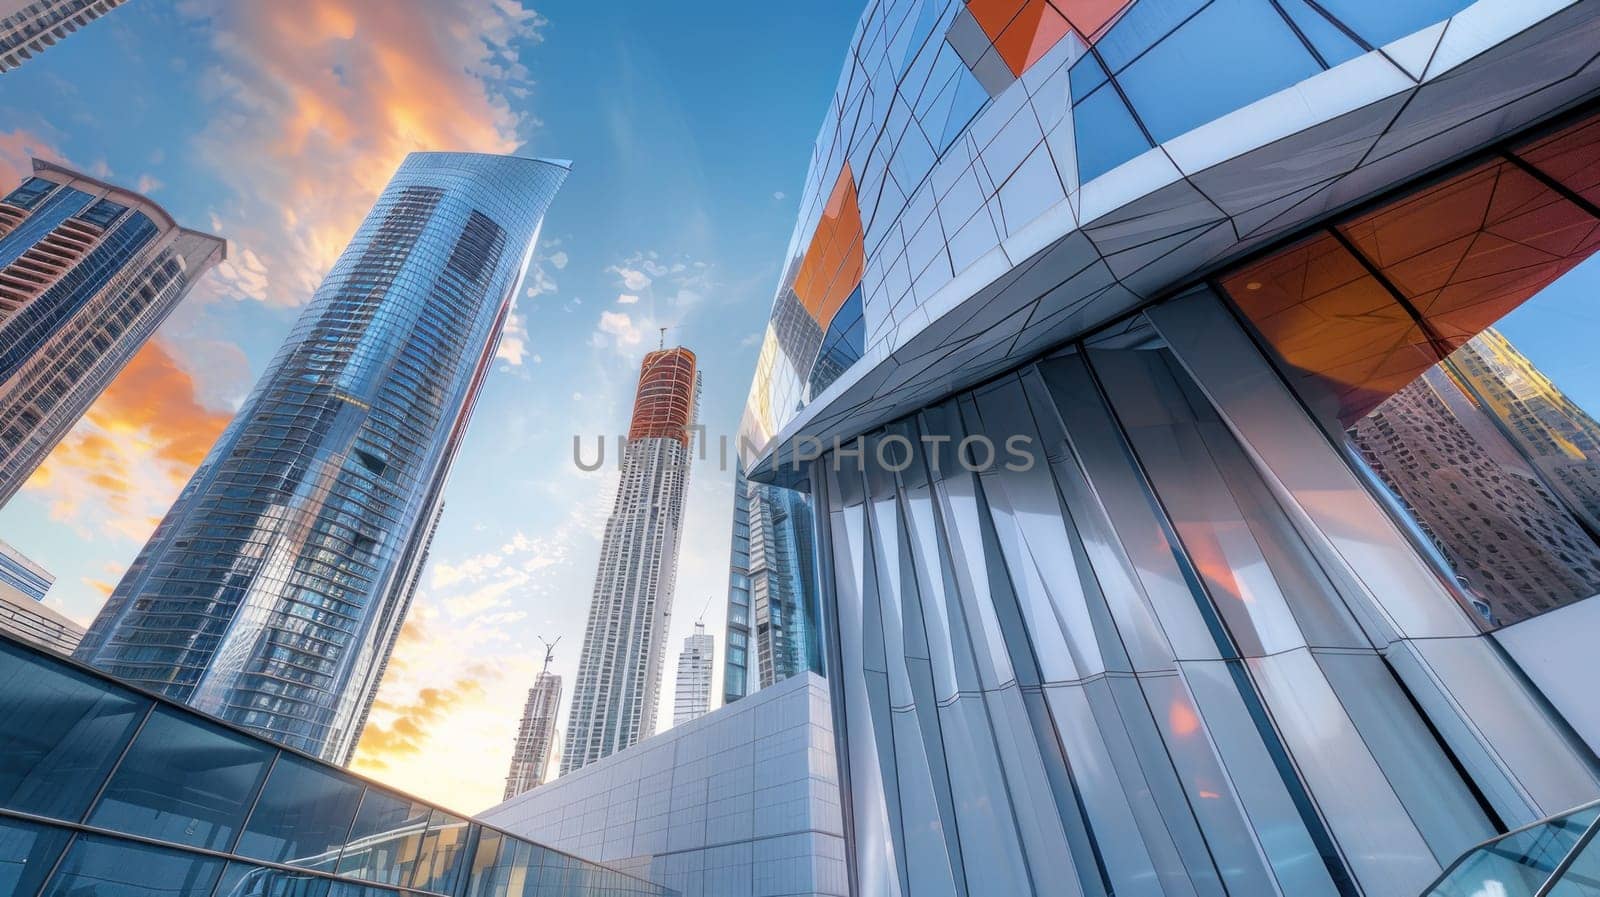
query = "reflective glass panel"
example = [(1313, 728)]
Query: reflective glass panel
[(1106, 133), (385, 839), (443, 847), (27, 852), (303, 816), (103, 867), (1228, 55), (1582, 877), (1518, 864), (245, 880), (1380, 23), (184, 780), (62, 731)]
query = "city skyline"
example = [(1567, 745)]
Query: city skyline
[(692, 680), (273, 592), (657, 227)]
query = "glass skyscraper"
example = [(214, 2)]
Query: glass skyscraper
[(772, 598), (1082, 304), (615, 699), (88, 271), (272, 592)]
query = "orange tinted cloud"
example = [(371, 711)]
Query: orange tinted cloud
[(319, 101), (17, 150), (123, 464), (411, 723)]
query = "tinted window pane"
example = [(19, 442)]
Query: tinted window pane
[(1106, 134), (303, 816), (27, 852), (63, 730), (1229, 55), (244, 880), (1332, 43), (101, 867), (442, 851), (1582, 878), (1517, 864), (185, 781), (1380, 23), (349, 889), (383, 844), (1147, 22)]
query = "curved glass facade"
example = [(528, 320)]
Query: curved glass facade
[(272, 592), (110, 792)]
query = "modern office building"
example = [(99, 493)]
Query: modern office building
[(742, 802), (272, 592), (625, 641), (23, 614), (21, 576), (692, 698), (108, 790), (1081, 305), (772, 602), (27, 27), (88, 271), (536, 733)]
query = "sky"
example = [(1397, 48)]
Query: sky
[(275, 123)]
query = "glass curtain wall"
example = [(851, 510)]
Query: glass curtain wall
[(109, 792), (1148, 617)]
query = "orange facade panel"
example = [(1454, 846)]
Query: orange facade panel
[(835, 259), (1022, 31), (663, 407)]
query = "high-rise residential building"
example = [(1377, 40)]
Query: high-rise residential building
[(692, 697), (180, 803), (1082, 302), (27, 27), (772, 602), (624, 643), (23, 614), (272, 592), (536, 733), (88, 271), (1447, 461)]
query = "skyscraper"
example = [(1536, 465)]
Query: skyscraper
[(624, 643), (88, 271), (27, 27), (272, 592), (536, 734), (692, 698), (772, 603), (1081, 302)]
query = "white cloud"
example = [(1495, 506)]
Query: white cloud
[(620, 327), (631, 278), (559, 260), (778, 195), (147, 184), (627, 299)]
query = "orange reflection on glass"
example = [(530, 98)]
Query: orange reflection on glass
[(1571, 157), (1344, 335), (835, 258), (1181, 717), (1468, 251)]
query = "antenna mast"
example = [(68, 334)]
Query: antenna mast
[(549, 651)]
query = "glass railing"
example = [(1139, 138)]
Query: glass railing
[(1556, 857)]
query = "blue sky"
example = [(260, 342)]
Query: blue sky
[(274, 124)]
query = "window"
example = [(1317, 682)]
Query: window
[(32, 190), (245, 880), (184, 780), (385, 839), (104, 867), (303, 816), (1437, 336), (27, 852), (62, 732)]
